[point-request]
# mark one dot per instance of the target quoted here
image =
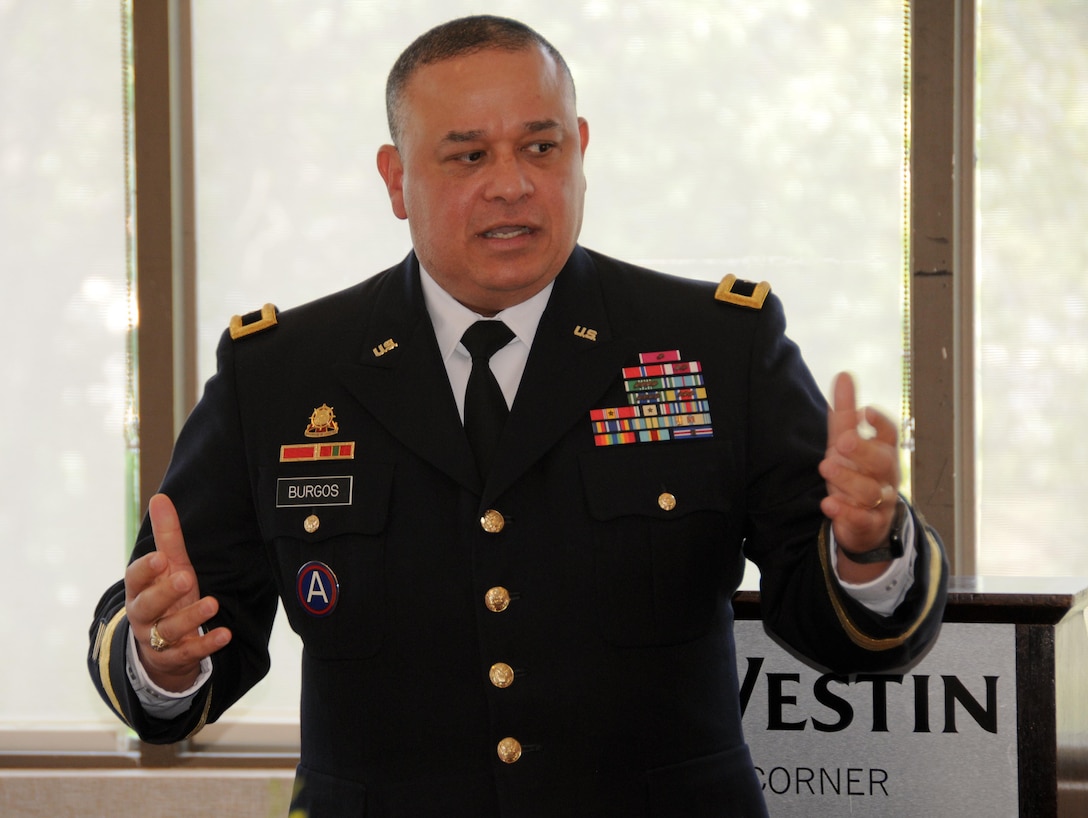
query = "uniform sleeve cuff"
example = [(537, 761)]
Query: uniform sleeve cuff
[(885, 593), (156, 701)]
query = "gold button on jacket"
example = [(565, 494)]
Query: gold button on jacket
[(492, 522), (501, 674), (497, 599), (509, 750)]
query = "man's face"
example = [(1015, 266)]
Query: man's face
[(489, 174)]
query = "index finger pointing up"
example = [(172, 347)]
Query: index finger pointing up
[(167, 530), (843, 416)]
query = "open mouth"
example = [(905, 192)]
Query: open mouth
[(507, 232)]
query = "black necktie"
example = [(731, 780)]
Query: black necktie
[(485, 407)]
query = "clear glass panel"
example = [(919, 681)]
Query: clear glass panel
[(62, 253), (1032, 252), (760, 139)]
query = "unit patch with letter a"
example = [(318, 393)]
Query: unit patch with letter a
[(317, 588)]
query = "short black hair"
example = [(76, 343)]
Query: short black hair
[(458, 38)]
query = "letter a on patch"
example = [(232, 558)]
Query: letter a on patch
[(317, 588)]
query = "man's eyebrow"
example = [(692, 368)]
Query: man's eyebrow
[(463, 136), (536, 126), (541, 125)]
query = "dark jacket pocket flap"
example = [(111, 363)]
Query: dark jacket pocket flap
[(315, 505), (661, 481)]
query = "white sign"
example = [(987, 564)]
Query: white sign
[(937, 739)]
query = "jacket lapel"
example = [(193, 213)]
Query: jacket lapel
[(400, 378), (574, 359), (401, 381)]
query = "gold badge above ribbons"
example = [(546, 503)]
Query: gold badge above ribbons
[(322, 422)]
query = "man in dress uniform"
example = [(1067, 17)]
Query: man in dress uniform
[(505, 490)]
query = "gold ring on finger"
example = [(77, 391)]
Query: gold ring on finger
[(158, 644), (885, 491)]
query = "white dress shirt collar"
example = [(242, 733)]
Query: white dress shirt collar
[(451, 318)]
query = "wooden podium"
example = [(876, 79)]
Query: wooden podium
[(993, 721)]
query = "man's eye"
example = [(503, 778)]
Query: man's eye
[(541, 147), (472, 157)]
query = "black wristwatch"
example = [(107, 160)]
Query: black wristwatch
[(885, 553)]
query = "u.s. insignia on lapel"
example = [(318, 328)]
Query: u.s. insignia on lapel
[(666, 400), (384, 347)]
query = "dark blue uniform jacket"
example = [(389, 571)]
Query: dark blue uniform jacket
[(584, 630)]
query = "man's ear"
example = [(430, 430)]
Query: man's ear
[(392, 170)]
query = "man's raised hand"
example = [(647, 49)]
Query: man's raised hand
[(861, 470), (162, 595)]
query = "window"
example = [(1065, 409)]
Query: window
[(62, 252), (761, 139), (1032, 192)]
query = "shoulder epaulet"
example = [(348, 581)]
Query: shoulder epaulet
[(251, 322), (733, 290)]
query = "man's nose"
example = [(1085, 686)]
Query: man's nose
[(509, 179)]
